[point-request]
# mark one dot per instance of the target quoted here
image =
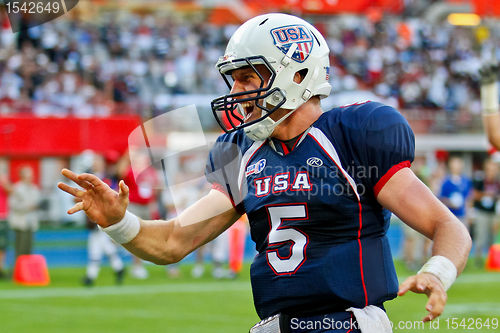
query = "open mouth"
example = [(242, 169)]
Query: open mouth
[(248, 108)]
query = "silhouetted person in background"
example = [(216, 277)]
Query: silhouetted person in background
[(23, 211)]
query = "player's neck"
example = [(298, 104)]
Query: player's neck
[(299, 121)]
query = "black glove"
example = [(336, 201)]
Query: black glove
[(488, 73)]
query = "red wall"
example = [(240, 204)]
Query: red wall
[(16, 165), (332, 7), (487, 7), (29, 137)]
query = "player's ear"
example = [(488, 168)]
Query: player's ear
[(300, 75)]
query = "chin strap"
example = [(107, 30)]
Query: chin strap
[(264, 128)]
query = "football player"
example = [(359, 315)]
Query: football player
[(317, 188)]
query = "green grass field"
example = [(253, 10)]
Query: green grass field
[(162, 304)]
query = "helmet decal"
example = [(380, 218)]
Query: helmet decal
[(285, 36)]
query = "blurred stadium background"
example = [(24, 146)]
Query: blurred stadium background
[(80, 84)]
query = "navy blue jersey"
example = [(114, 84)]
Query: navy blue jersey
[(319, 231)]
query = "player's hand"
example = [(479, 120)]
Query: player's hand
[(488, 73), (102, 205), (429, 284)]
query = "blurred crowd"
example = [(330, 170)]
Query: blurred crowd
[(414, 63), (471, 191), (117, 65), (133, 64)]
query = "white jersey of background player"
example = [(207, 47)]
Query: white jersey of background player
[(98, 243)]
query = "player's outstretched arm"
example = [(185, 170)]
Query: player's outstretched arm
[(161, 242), (489, 102), (166, 242), (406, 196)]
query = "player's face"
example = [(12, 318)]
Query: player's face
[(490, 169), (456, 166), (246, 79)]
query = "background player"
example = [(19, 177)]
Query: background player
[(143, 191), (335, 242), (489, 102), (98, 244)]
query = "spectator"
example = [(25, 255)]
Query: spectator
[(5, 189), (486, 194), (456, 188), (24, 201)]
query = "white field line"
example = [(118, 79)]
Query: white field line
[(201, 287), (489, 308), (478, 278), (195, 287)]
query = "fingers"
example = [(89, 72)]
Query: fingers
[(75, 178), (406, 285), (69, 174), (71, 190), (430, 285), (76, 208), (123, 190), (436, 303), (90, 178), (420, 284)]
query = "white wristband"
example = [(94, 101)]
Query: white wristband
[(125, 230), (489, 98), (441, 267)]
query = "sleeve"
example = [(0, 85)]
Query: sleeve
[(469, 187), (445, 190), (389, 144), (222, 171)]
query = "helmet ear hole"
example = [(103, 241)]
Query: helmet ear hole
[(300, 75)]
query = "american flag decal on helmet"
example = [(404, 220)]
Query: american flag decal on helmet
[(285, 36)]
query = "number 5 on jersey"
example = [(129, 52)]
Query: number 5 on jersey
[(280, 234)]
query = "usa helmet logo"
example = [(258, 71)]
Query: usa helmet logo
[(285, 36)]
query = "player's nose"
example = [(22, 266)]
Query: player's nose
[(237, 87)]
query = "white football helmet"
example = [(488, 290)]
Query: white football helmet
[(285, 45)]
